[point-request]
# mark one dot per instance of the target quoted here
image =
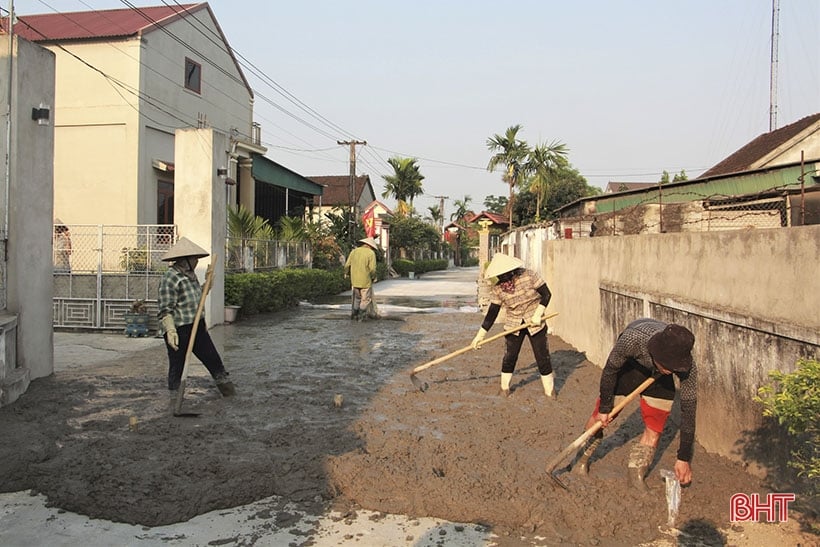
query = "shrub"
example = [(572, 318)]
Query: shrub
[(794, 401), (403, 266), (280, 289)]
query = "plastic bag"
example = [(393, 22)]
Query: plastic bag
[(672, 496)]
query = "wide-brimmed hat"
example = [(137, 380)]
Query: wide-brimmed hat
[(501, 264), (370, 242), (184, 248), (672, 348)]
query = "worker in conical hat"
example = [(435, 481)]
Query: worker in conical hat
[(360, 267), (524, 296), (179, 295)]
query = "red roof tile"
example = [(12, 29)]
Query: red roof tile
[(744, 159), (494, 217), (89, 25)]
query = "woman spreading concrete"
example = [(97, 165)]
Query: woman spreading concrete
[(179, 295), (524, 296)]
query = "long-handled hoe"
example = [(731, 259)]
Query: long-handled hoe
[(577, 443), (422, 386)]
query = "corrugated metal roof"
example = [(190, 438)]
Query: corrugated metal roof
[(97, 24), (268, 171)]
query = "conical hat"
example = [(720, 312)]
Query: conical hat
[(501, 264), (184, 248), (371, 242)]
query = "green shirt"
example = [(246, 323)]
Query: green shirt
[(178, 296), (361, 267)]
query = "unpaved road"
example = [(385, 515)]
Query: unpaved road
[(457, 451)]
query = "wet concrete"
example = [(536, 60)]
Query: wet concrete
[(328, 442)]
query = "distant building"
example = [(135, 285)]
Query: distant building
[(337, 193)]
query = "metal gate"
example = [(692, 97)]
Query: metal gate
[(100, 270)]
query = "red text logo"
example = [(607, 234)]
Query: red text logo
[(745, 507)]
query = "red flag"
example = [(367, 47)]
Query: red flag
[(369, 221)]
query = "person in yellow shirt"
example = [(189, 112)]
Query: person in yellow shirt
[(360, 267)]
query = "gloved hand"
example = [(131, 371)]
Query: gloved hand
[(478, 338), (538, 315), (171, 335)]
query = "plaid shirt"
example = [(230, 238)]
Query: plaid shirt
[(632, 344), (178, 296), (521, 303)]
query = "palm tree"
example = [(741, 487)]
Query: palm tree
[(541, 163), (405, 182), (462, 209), (436, 216), (511, 152)]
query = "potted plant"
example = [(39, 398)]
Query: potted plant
[(136, 321)]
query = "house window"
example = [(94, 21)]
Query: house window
[(193, 75)]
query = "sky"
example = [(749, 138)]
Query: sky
[(632, 88)]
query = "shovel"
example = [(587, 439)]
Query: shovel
[(206, 288), (422, 386), (576, 444)]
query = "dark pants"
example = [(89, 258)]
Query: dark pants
[(204, 350), (540, 349)]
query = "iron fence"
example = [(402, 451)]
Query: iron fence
[(249, 255), (100, 270)]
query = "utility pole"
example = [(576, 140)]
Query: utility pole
[(351, 191), (774, 63)]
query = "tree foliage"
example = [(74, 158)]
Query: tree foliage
[(679, 177), (794, 401), (510, 152), (542, 165), (496, 204), (405, 182), (567, 185), (411, 233)]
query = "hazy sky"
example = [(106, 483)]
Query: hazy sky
[(632, 88)]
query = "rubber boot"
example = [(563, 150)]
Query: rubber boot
[(506, 378), (225, 386), (548, 381), (172, 401), (581, 467), (354, 315), (640, 457)]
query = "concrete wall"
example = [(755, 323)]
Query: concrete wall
[(29, 266), (200, 211), (751, 298)]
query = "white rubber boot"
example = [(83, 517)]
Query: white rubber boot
[(548, 381), (506, 378)]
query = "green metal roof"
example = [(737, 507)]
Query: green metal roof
[(693, 190), (270, 172)]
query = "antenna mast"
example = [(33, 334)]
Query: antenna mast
[(773, 81)]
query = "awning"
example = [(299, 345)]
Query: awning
[(270, 172)]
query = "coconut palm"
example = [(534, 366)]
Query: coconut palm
[(462, 209), (511, 152), (405, 182), (541, 164)]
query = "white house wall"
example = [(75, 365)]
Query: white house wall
[(29, 256), (108, 135), (96, 133)]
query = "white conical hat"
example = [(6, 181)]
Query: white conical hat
[(371, 242), (501, 264), (184, 248)]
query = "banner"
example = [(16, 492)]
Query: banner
[(369, 221)]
